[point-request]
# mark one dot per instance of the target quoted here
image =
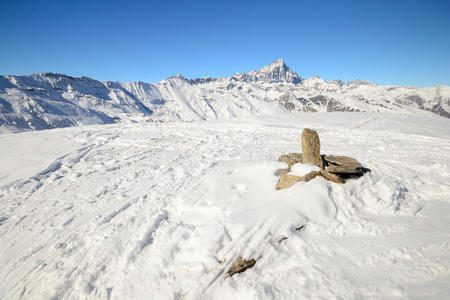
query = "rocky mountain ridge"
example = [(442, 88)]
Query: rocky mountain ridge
[(49, 100)]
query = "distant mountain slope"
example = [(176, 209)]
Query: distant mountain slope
[(48, 100)]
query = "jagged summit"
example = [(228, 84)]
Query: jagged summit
[(276, 65), (279, 63), (277, 71)]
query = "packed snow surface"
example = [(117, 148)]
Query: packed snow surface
[(160, 210)]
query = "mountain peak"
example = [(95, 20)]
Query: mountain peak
[(279, 62), (277, 71)]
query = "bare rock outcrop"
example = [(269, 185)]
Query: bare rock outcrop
[(288, 180), (311, 148), (240, 265), (344, 165), (291, 159), (334, 168), (332, 177)]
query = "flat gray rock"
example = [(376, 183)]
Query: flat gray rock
[(344, 165)]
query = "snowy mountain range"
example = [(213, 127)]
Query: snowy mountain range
[(49, 100)]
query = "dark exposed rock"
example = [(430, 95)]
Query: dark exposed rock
[(301, 227), (319, 99), (201, 80), (289, 106), (438, 109), (416, 100), (333, 105), (282, 239), (49, 74), (344, 165), (332, 177), (240, 265), (308, 109)]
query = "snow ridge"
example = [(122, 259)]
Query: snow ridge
[(49, 100)]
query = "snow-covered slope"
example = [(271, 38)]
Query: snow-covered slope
[(47, 100), (160, 210)]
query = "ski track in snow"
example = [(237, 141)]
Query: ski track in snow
[(161, 210)]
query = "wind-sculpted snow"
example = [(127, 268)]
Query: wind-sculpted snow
[(48, 100), (160, 210)]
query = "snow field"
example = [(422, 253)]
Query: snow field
[(161, 210)]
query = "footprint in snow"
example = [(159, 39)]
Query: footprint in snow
[(239, 187)]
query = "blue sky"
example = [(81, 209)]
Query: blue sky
[(386, 42)]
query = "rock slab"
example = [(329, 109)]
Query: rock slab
[(311, 148), (240, 265), (291, 159), (344, 165)]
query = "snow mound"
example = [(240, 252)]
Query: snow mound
[(303, 169)]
